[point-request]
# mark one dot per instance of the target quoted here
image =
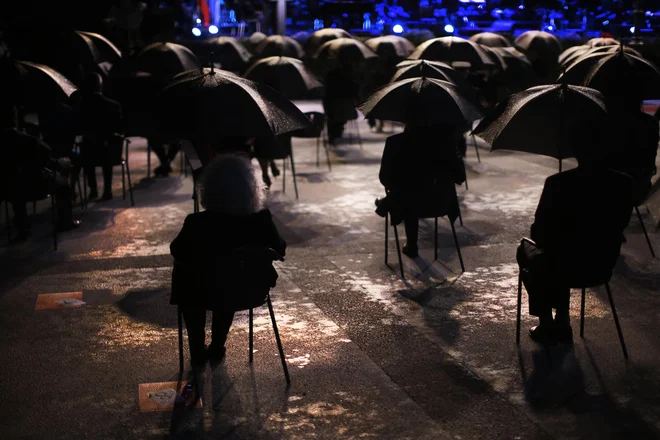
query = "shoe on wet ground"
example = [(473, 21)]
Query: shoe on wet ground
[(412, 252), (542, 335)]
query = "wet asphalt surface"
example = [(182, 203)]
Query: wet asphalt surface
[(370, 355)]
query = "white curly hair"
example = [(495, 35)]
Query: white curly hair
[(229, 184)]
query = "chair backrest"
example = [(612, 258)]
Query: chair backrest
[(314, 131)]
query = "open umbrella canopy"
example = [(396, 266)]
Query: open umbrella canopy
[(107, 52), (390, 46), (579, 55), (166, 60), (490, 39), (33, 85), (228, 51), (210, 104), (316, 40), (599, 42), (606, 71), (344, 51), (543, 120), (519, 73), (539, 45), (423, 102), (425, 68), (571, 54), (453, 49), (279, 46), (288, 76), (496, 57)]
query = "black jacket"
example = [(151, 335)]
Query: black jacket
[(203, 240), (580, 220)]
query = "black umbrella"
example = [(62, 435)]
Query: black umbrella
[(166, 60), (425, 68), (228, 51), (539, 45), (288, 76), (279, 46), (599, 42), (571, 54), (605, 71), (453, 49), (107, 51), (210, 103), (34, 85), (490, 39), (496, 57), (519, 73), (390, 46), (421, 101), (318, 38), (572, 59), (344, 51), (543, 120)]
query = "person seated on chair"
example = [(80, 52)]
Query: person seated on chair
[(418, 169), (235, 216), (98, 120), (28, 168), (576, 237), (267, 150), (341, 94)]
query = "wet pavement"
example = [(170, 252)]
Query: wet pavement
[(370, 355)]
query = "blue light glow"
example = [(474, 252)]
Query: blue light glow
[(197, 32), (198, 21), (397, 29), (213, 29), (606, 22), (449, 29), (632, 29)]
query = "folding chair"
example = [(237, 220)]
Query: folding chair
[(118, 155), (243, 262), (318, 131), (646, 235), (435, 252), (582, 306)]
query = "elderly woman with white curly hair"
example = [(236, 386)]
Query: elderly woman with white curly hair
[(233, 197)]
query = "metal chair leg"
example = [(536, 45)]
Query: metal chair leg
[(357, 132), (53, 206), (398, 251), (279, 341), (284, 175), (435, 241), (318, 152), (293, 173), (8, 221), (123, 181), (646, 235), (582, 306), (80, 194), (616, 321), (387, 227), (518, 309), (130, 185), (251, 335), (180, 322), (458, 248), (476, 148), (327, 151)]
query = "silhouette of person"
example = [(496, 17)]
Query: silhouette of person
[(29, 170), (341, 94), (418, 169), (577, 234), (99, 121), (267, 149), (235, 216)]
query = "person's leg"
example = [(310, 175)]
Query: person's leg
[(222, 320), (158, 147), (263, 164), (90, 172), (412, 230), (534, 273), (273, 168), (107, 181), (20, 219), (63, 197), (195, 319)]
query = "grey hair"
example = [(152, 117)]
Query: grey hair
[(229, 184)]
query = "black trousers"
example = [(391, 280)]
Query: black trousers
[(411, 226), (195, 319), (165, 156), (90, 172), (543, 281)]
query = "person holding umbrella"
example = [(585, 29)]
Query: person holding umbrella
[(418, 169), (576, 233)]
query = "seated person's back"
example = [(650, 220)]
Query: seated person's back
[(581, 217)]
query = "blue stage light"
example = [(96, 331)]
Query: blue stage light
[(632, 29), (213, 29), (197, 32), (397, 29), (606, 22), (449, 29)]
